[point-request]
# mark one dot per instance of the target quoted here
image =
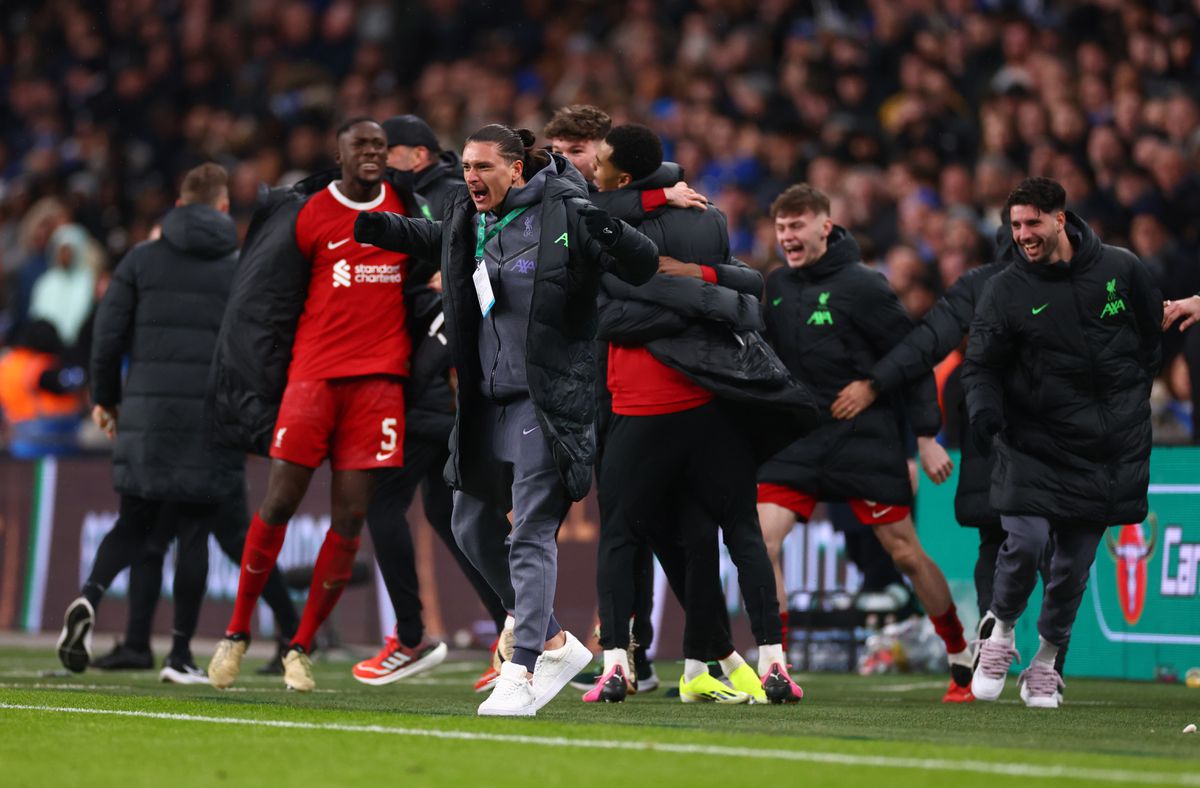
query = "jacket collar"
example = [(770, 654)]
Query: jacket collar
[(1087, 248), (842, 252)]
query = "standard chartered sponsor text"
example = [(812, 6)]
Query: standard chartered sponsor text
[(378, 274)]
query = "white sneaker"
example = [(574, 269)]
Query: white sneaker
[(995, 658), (1040, 685), (512, 695), (75, 641), (555, 668)]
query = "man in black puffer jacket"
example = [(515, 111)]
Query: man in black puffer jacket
[(1064, 348), (437, 173), (831, 319), (685, 368), (163, 310)]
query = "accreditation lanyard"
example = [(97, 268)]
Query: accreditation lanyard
[(483, 284)]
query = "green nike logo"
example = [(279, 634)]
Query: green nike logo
[(777, 301), (1037, 309)]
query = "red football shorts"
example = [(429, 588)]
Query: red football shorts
[(358, 423), (867, 512)]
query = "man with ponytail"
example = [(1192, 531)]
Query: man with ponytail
[(522, 254)]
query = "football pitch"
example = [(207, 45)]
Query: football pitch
[(127, 729)]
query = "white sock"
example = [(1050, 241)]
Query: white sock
[(731, 663), (616, 656), (510, 622), (767, 655), (693, 668), (1047, 652), (1003, 631)]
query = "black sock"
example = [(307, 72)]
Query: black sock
[(93, 593), (181, 646)]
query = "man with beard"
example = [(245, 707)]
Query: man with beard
[(1063, 351)]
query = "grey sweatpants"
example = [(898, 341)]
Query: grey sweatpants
[(1026, 539), (524, 574)]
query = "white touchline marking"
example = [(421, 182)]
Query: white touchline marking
[(1047, 771)]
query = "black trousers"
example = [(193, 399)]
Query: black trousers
[(228, 525), (395, 488), (670, 481)]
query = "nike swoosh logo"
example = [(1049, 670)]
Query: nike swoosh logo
[(1038, 309), (881, 512), (777, 301), (254, 571), (380, 456), (331, 245), (526, 432)]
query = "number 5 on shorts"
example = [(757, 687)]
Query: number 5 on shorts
[(387, 444)]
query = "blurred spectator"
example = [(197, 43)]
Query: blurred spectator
[(64, 294), (40, 399), (911, 116)]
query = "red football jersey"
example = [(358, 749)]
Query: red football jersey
[(354, 319)]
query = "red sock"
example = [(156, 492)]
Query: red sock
[(783, 621), (262, 548), (330, 575), (950, 630)]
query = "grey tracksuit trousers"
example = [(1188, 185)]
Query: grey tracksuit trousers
[(524, 574), (1017, 571)]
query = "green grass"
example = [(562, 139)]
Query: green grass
[(1107, 733)]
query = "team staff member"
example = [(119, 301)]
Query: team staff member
[(163, 311), (521, 262), (310, 365), (1063, 351), (831, 319), (428, 419), (675, 445)]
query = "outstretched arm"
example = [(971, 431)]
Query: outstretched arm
[(396, 233)]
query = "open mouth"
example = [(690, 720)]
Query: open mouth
[(1032, 249), (479, 194)]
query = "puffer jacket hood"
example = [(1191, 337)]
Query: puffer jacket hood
[(200, 230)]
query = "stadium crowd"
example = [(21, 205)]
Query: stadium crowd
[(916, 117)]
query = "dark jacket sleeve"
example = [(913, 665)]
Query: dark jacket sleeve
[(417, 237), (738, 276), (634, 257), (623, 204), (1148, 309), (938, 334), (989, 354), (883, 321), (113, 332), (628, 321)]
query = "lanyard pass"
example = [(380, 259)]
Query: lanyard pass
[(483, 287), (483, 283)]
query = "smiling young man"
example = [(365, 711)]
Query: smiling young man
[(1064, 348), (831, 319), (310, 365)]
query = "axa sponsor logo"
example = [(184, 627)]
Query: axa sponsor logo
[(523, 265), (1181, 564), (341, 274), (1131, 553)]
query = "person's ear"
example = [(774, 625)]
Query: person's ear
[(518, 168), (624, 180)]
